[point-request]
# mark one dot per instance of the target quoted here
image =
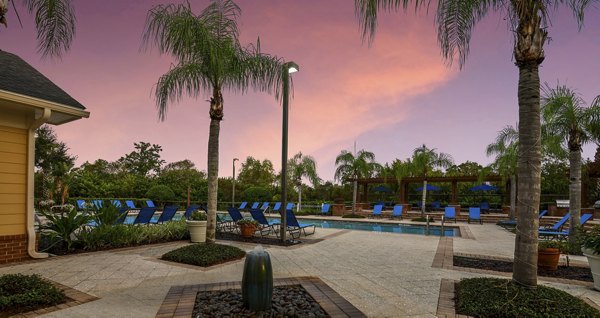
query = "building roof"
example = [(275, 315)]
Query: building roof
[(19, 77)]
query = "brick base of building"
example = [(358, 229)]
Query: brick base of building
[(13, 248)]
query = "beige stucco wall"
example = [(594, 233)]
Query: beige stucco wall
[(13, 179)]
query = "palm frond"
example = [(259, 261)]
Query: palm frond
[(184, 78), (55, 24), (366, 13)]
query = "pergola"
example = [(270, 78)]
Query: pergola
[(408, 180)]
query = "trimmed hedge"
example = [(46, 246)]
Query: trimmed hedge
[(494, 297), (204, 254), (22, 293)]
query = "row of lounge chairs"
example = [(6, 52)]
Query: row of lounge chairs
[(264, 206), (266, 227)]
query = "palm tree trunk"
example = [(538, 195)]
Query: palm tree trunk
[(513, 196), (529, 176), (354, 196), (299, 197), (574, 192), (424, 198), (216, 115)]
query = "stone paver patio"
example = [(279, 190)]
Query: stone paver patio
[(382, 274)]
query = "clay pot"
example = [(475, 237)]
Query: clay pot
[(548, 258), (247, 230)]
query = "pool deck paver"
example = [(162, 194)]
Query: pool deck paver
[(382, 274)]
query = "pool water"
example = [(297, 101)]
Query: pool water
[(385, 227)]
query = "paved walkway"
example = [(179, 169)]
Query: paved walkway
[(382, 274)]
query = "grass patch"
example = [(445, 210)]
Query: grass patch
[(353, 216), (22, 293), (204, 254), (494, 297)]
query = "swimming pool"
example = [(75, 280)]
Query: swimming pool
[(385, 227)]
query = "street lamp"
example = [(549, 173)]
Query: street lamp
[(287, 69), (233, 192)]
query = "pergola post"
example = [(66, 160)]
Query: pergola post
[(454, 199)]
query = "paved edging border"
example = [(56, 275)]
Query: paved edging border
[(180, 300), (76, 298)]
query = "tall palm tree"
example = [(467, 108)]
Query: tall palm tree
[(301, 166), (424, 161), (209, 59), (351, 166), (529, 20), (504, 148), (565, 116), (54, 22)]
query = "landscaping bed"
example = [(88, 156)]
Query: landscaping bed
[(204, 254), (22, 293), (288, 301), (227, 236), (494, 297), (564, 272)]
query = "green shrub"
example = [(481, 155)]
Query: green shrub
[(108, 214), (591, 239), (257, 194), (161, 193), (353, 216), (22, 293), (62, 227), (494, 297), (204, 254)]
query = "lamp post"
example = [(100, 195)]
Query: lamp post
[(287, 69), (233, 191)]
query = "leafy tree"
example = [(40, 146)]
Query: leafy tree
[(208, 58), (161, 193), (257, 194), (529, 21), (256, 173), (300, 166), (54, 22), (144, 160), (505, 162), (565, 115), (351, 166), (53, 163), (181, 177)]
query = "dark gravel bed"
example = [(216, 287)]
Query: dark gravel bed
[(571, 272), (288, 301), (255, 239)]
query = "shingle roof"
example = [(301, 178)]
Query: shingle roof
[(19, 77)]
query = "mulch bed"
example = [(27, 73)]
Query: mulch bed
[(226, 236), (288, 301), (564, 272)]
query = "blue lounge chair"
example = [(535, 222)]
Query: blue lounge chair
[(435, 205), (264, 207), (235, 214), (560, 234), (474, 215), (484, 206), (255, 205), (277, 207), (144, 215), (167, 214), (542, 214), (116, 203), (81, 205), (294, 227), (397, 212), (190, 209), (325, 208), (97, 204), (130, 204), (558, 225), (263, 223), (150, 204), (377, 210), (450, 213), (242, 205), (290, 206)]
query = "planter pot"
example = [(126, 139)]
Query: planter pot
[(197, 231), (247, 230), (548, 258), (594, 261)]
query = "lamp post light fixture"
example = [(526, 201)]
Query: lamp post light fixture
[(287, 69), (233, 191)]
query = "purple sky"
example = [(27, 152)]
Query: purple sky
[(389, 98)]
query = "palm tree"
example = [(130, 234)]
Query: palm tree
[(423, 162), (565, 116), (351, 166), (301, 166), (54, 22), (505, 163), (529, 21), (209, 59)]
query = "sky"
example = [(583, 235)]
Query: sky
[(389, 98)]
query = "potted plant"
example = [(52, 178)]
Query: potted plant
[(247, 227), (197, 227), (548, 254), (590, 246)]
